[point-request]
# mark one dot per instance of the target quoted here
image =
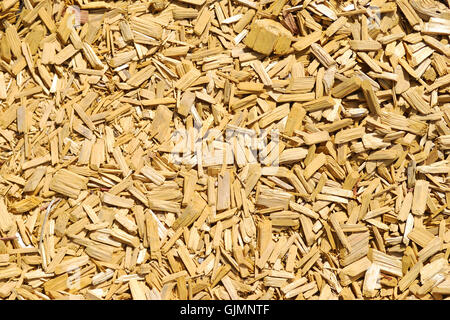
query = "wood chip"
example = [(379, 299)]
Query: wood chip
[(225, 150)]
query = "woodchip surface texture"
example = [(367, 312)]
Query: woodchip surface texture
[(233, 149)]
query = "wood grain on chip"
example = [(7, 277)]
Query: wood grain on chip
[(232, 149)]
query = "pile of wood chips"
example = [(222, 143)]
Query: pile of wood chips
[(233, 149)]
